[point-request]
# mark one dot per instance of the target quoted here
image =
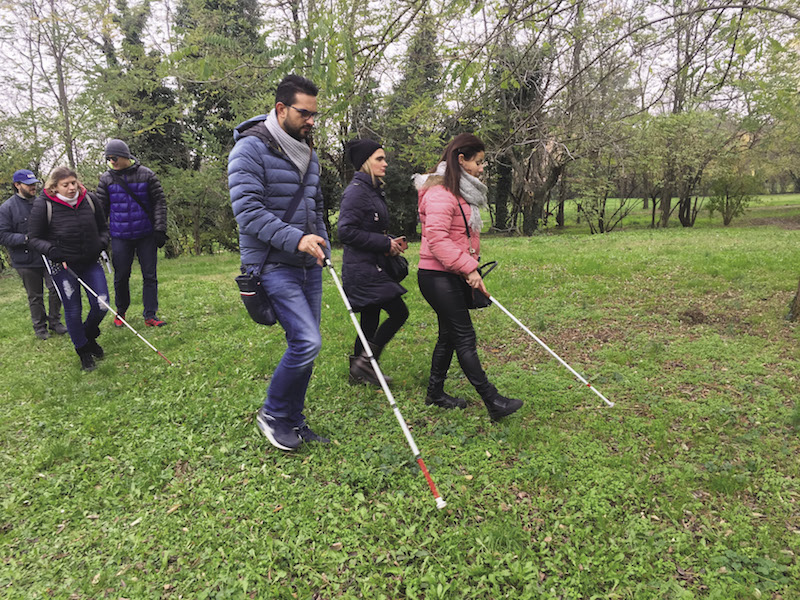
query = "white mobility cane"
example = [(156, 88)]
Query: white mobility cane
[(546, 347), (440, 503), (104, 303)]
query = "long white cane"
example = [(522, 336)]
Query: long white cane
[(440, 503)]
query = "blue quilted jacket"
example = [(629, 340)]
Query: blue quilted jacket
[(262, 181), (127, 219)]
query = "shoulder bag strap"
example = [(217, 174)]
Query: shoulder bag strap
[(130, 193), (469, 237), (298, 195)]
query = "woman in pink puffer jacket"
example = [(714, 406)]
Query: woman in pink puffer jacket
[(450, 200)]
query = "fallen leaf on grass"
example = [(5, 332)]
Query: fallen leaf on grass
[(468, 477), (96, 578), (136, 522), (277, 508), (173, 508), (92, 516), (336, 546)]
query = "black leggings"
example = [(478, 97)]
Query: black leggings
[(370, 316), (445, 292)]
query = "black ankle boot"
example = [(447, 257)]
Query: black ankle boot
[(95, 349), (437, 396), (498, 405), (87, 360), (361, 371), (444, 400)]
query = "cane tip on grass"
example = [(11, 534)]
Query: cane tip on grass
[(440, 504)]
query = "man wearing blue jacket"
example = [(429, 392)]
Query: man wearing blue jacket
[(14, 215), (272, 169)]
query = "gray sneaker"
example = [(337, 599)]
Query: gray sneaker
[(279, 433)]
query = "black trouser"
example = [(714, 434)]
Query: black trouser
[(445, 292), (35, 279), (380, 336)]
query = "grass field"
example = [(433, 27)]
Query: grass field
[(144, 481)]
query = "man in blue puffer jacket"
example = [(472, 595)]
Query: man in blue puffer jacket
[(133, 199), (272, 162)]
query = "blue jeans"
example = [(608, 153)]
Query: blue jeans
[(122, 252), (296, 295), (70, 289)]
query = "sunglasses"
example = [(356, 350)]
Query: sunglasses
[(112, 158)]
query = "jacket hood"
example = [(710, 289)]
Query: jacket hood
[(245, 125), (426, 181)]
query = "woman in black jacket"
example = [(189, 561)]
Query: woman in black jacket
[(69, 228), (363, 229)]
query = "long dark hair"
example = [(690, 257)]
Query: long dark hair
[(464, 144)]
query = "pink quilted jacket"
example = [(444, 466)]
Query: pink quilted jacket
[(445, 245)]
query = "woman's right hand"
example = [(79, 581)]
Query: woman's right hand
[(475, 281), (396, 246)]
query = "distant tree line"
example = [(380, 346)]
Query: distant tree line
[(608, 104)]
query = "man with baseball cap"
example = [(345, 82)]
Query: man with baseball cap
[(14, 214)]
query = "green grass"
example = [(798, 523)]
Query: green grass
[(144, 481)]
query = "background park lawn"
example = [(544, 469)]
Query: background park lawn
[(141, 480)]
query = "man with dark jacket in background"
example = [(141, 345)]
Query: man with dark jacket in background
[(14, 214), (274, 182), (133, 199)]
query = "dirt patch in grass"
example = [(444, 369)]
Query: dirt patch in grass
[(784, 222)]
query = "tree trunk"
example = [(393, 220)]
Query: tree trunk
[(529, 221), (562, 198), (666, 205), (504, 182), (794, 307), (685, 211)]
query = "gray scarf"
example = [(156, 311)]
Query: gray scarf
[(298, 152), (473, 191)]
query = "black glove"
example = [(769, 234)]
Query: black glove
[(161, 238), (55, 254)]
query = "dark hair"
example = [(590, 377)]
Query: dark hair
[(291, 85), (464, 144)]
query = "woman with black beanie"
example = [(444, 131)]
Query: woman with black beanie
[(363, 229)]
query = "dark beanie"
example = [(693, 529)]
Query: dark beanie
[(118, 148), (358, 151)]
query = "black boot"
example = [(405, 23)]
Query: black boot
[(361, 370), (87, 360), (94, 349), (498, 406), (438, 397), (440, 364), (445, 400), (92, 333)]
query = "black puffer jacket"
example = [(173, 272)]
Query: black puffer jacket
[(79, 233), (363, 226)]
